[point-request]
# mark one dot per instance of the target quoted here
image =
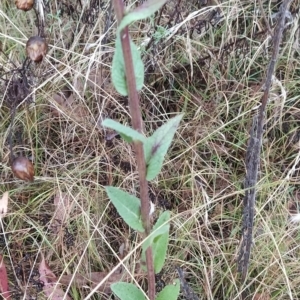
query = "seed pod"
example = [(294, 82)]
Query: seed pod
[(24, 4), (22, 168), (36, 48)]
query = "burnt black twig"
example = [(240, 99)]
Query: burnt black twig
[(252, 164), (40, 20), (253, 154), (189, 293), (10, 133), (17, 91)]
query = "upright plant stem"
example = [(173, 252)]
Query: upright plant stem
[(253, 153), (137, 123)]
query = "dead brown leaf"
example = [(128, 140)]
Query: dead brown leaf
[(99, 79), (261, 296), (51, 287), (70, 107), (5, 293), (64, 205), (95, 79), (94, 278), (3, 205), (293, 206)]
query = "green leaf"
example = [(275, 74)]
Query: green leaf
[(169, 292), (159, 249), (145, 10), (157, 145), (127, 291), (138, 66), (118, 73), (127, 133), (118, 70), (158, 239), (163, 220), (161, 226), (128, 207)]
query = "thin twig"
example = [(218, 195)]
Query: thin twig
[(253, 153), (10, 134), (265, 17)]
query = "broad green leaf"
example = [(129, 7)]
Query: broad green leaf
[(163, 220), (157, 145), (161, 226), (169, 292), (127, 133), (118, 73), (159, 252), (159, 249), (145, 10), (128, 207), (138, 65), (127, 291), (158, 239), (126, 138)]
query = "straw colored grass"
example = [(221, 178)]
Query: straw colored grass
[(215, 77)]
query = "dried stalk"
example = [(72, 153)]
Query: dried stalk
[(253, 152)]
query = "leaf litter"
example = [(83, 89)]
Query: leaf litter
[(70, 107), (51, 287), (63, 206), (3, 205), (4, 289), (92, 280)]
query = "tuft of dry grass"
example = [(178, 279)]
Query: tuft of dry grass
[(209, 61)]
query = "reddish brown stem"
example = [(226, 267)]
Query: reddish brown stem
[(137, 123)]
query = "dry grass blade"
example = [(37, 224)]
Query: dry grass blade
[(206, 59)]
